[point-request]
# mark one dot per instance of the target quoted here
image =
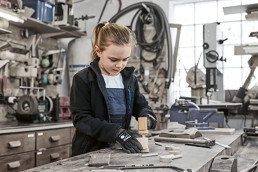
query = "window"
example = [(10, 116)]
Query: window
[(192, 16)]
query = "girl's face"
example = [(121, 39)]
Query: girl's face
[(113, 59)]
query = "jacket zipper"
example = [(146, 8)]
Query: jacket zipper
[(130, 99)]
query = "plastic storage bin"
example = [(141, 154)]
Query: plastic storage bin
[(43, 9), (47, 12)]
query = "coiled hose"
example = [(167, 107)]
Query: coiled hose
[(162, 29)]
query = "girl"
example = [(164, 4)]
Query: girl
[(105, 95)]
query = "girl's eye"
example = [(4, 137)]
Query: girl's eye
[(113, 60)]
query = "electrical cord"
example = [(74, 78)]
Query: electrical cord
[(103, 9), (135, 15), (162, 28), (157, 43), (105, 5), (120, 5)]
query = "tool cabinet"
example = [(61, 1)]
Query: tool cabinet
[(28, 147)]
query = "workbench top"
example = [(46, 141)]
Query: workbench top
[(195, 158), (16, 127)]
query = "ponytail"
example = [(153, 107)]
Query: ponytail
[(106, 33)]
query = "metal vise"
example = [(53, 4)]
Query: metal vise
[(191, 115)]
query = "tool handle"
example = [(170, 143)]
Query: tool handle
[(179, 140)]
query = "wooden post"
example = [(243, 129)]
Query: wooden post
[(143, 130)]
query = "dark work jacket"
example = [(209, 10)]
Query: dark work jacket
[(90, 108)]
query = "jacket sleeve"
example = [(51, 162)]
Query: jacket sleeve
[(82, 117), (141, 107)]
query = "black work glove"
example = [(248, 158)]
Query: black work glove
[(128, 142), (151, 122)]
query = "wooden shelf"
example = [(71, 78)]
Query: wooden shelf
[(63, 31), (37, 26), (69, 27), (44, 28)]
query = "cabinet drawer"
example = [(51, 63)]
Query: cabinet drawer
[(52, 138), (19, 162), (52, 154), (17, 143)]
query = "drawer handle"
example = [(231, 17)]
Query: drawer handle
[(54, 156), (55, 138), (14, 144), (13, 165)]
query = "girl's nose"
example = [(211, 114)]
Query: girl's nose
[(119, 65)]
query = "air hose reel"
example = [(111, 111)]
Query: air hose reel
[(164, 27)]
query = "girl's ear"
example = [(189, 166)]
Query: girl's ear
[(97, 50)]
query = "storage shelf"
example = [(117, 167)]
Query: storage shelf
[(69, 27), (37, 26), (40, 27), (64, 31)]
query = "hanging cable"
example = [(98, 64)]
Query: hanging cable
[(156, 46), (151, 12), (120, 5), (105, 5), (103, 9)]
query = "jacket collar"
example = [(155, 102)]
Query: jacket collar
[(127, 72)]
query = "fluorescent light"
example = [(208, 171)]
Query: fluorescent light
[(11, 17)]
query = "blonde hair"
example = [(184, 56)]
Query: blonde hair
[(105, 34)]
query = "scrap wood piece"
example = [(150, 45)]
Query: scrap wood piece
[(169, 158), (172, 148), (189, 133), (99, 159), (142, 124), (150, 154), (144, 142), (159, 144), (143, 130), (175, 152), (193, 132)]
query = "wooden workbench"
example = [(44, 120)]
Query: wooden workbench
[(196, 158)]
